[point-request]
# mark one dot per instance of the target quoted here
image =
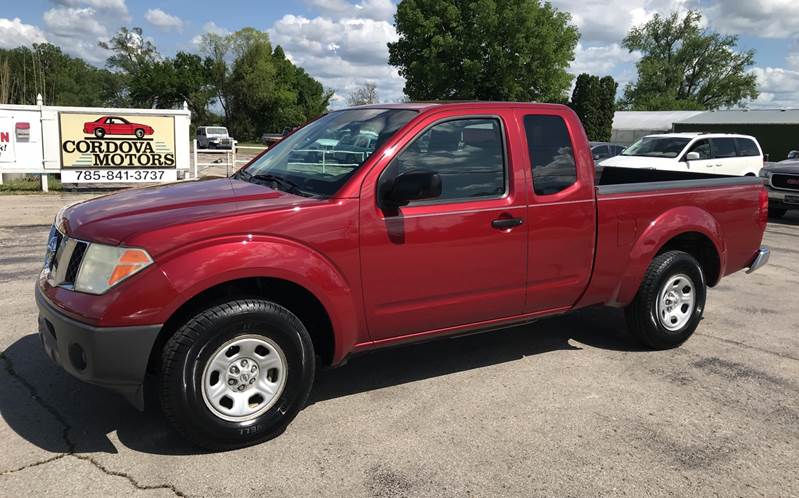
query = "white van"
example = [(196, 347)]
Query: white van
[(717, 153)]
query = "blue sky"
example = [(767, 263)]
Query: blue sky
[(342, 42)]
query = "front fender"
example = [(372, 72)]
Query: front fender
[(668, 225), (210, 263)]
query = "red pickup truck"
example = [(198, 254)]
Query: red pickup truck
[(225, 295)]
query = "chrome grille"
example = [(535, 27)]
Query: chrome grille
[(63, 259)]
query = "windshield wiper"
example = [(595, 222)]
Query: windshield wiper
[(280, 183)]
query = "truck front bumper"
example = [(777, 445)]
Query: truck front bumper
[(111, 357), (782, 199), (761, 258)]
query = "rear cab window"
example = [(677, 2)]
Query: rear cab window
[(551, 153)]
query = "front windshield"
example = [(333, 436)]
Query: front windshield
[(217, 131), (657, 147), (316, 160)]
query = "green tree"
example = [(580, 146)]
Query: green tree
[(57, 77), (364, 94), (685, 66), (594, 101), (483, 49)]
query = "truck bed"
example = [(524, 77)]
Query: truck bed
[(630, 202)]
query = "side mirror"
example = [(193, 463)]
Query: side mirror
[(692, 156), (596, 157), (410, 186)]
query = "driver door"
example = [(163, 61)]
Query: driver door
[(446, 262)]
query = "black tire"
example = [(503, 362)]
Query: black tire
[(643, 320), (139, 133), (99, 132), (186, 353), (776, 212)]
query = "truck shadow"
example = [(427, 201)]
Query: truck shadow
[(55, 412)]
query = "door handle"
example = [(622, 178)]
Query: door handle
[(504, 223)]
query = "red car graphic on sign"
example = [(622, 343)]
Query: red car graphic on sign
[(114, 125)]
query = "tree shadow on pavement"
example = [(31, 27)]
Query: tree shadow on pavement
[(39, 401)]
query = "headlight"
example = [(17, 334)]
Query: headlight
[(105, 266), (763, 173)]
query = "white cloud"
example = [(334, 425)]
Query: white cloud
[(161, 19), (379, 10), (77, 30), (209, 27), (14, 33), (116, 8), (600, 21), (778, 87), (762, 18), (73, 22), (341, 53), (601, 60)]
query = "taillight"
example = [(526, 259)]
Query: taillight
[(763, 214)]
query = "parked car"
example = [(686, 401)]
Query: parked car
[(115, 125), (793, 155), (273, 138), (224, 296), (213, 137), (604, 150), (782, 182), (716, 153)]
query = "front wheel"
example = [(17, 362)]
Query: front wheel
[(139, 133), (670, 302), (236, 374)]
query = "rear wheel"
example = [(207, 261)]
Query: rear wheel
[(776, 212), (99, 132), (670, 302), (236, 374)]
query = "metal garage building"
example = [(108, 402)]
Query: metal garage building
[(629, 126), (776, 130)]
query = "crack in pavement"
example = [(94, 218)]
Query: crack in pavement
[(9, 368), (749, 346), (34, 464)]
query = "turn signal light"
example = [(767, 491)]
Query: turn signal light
[(131, 261)]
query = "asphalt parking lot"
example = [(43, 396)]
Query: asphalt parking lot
[(568, 406)]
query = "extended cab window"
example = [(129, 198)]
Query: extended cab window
[(723, 148), (746, 147), (551, 154), (701, 147), (466, 153)]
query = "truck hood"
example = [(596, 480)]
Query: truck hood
[(637, 162), (114, 218), (788, 167)]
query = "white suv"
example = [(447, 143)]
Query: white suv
[(716, 153), (213, 137)]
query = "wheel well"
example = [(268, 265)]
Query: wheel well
[(291, 296), (700, 247)]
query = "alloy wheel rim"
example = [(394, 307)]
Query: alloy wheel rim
[(244, 378), (676, 302)]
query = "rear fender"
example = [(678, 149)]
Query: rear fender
[(660, 231), (211, 263)]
